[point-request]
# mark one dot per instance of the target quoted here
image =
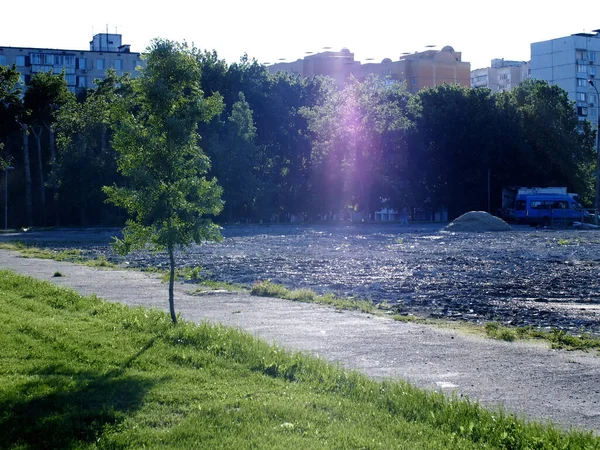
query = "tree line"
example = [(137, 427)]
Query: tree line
[(282, 147)]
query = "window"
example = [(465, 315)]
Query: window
[(581, 96), (414, 81), (2, 60), (591, 56), (520, 205), (591, 98), (582, 111), (82, 82), (82, 63), (100, 64), (580, 55), (592, 71), (582, 82), (46, 59), (560, 204), (540, 204), (135, 64), (118, 64), (65, 60), (71, 80), (20, 61), (580, 68)]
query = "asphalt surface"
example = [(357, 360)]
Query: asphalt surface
[(527, 379)]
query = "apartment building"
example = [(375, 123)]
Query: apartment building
[(81, 67), (571, 62), (501, 76), (418, 70)]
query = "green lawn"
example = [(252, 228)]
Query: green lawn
[(77, 372)]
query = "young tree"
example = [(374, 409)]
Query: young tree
[(168, 198)]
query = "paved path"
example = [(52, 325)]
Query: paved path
[(528, 379)]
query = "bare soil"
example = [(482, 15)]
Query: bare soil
[(527, 379), (540, 277)]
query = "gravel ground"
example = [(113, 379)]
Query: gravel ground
[(523, 378), (543, 278)]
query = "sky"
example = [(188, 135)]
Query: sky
[(275, 30)]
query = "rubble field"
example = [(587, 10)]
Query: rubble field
[(524, 276)]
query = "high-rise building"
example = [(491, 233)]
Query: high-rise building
[(81, 67), (419, 70), (571, 62), (501, 76)]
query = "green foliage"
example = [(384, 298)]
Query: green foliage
[(359, 150), (86, 161), (78, 372), (166, 197), (269, 289), (496, 331), (557, 338)]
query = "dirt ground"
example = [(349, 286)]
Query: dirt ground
[(526, 379), (542, 278)]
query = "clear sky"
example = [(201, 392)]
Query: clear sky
[(273, 30)]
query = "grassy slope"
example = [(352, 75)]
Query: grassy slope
[(79, 372)]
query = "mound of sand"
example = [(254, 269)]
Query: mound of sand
[(477, 221)]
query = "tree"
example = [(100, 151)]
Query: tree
[(358, 132), (86, 160), (167, 196), (13, 112), (44, 96), (556, 151), (456, 140), (10, 106), (232, 151)]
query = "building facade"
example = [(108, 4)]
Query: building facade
[(501, 76), (571, 62), (418, 70), (81, 67)]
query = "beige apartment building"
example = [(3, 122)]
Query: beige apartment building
[(81, 67), (501, 76), (419, 70)]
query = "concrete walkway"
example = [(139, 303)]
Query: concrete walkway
[(528, 379)]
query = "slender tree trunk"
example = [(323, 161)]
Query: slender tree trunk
[(38, 140), (52, 142), (82, 191), (27, 169), (171, 282)]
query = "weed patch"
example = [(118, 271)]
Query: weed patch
[(269, 289)]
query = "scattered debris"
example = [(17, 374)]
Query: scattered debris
[(478, 221)]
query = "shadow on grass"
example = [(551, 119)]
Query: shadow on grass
[(63, 408)]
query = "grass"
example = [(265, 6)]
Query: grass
[(77, 372), (558, 339), (269, 289), (71, 255)]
